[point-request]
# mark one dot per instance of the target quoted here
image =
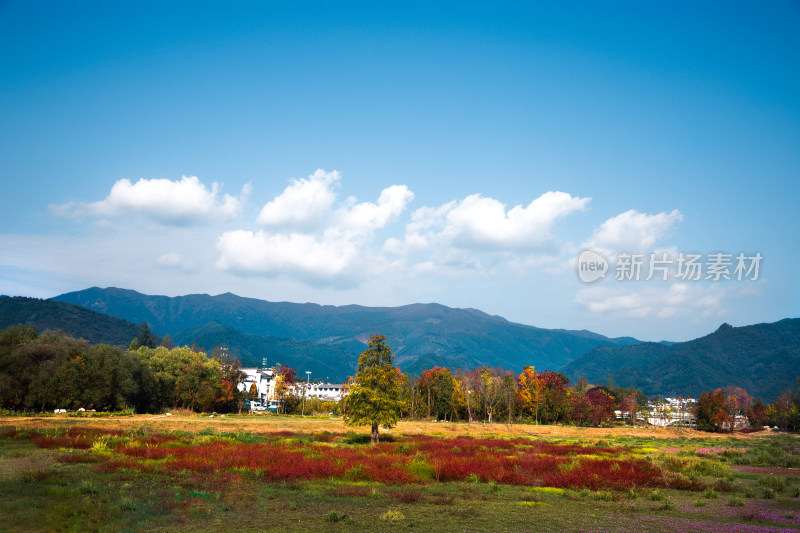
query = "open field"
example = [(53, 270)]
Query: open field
[(293, 474), (272, 423)]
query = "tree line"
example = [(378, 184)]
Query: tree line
[(724, 409), (52, 370), (495, 395)]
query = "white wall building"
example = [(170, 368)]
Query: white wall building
[(324, 391), (672, 411), (264, 380)]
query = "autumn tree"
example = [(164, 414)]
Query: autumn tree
[(489, 391), (253, 393), (468, 391), (593, 408), (630, 407), (529, 393), (285, 390), (784, 412), (508, 388), (410, 396), (712, 413), (757, 414), (231, 398), (555, 404), (738, 401), (374, 397)]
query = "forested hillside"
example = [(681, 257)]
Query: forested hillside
[(77, 321), (763, 359), (422, 335)]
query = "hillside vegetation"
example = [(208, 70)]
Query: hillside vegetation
[(763, 359), (77, 321), (422, 335)]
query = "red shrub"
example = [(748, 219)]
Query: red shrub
[(682, 483), (607, 474), (91, 432)]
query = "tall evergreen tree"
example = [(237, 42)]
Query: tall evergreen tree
[(374, 398)]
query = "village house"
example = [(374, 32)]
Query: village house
[(264, 381)]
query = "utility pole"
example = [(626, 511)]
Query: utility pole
[(308, 383)]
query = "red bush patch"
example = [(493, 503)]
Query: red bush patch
[(508, 461)]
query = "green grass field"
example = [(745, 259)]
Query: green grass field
[(69, 475)]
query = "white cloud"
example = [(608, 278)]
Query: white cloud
[(479, 232), (304, 204), (315, 259), (171, 259), (166, 201), (656, 301), (175, 260), (367, 216), (633, 231), (478, 222), (294, 243)]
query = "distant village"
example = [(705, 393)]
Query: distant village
[(263, 381), (663, 412)]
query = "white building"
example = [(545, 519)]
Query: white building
[(264, 381), (324, 391), (672, 411)]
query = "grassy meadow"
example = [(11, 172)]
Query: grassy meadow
[(269, 473)]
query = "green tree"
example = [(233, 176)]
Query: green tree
[(176, 382), (145, 337), (374, 398), (440, 389)]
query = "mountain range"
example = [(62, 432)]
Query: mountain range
[(421, 335), (764, 359)]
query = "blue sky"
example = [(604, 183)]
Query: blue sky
[(385, 154)]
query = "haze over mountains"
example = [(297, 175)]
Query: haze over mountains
[(764, 359)]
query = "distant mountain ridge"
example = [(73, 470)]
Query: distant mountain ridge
[(77, 321), (421, 335), (763, 359)]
